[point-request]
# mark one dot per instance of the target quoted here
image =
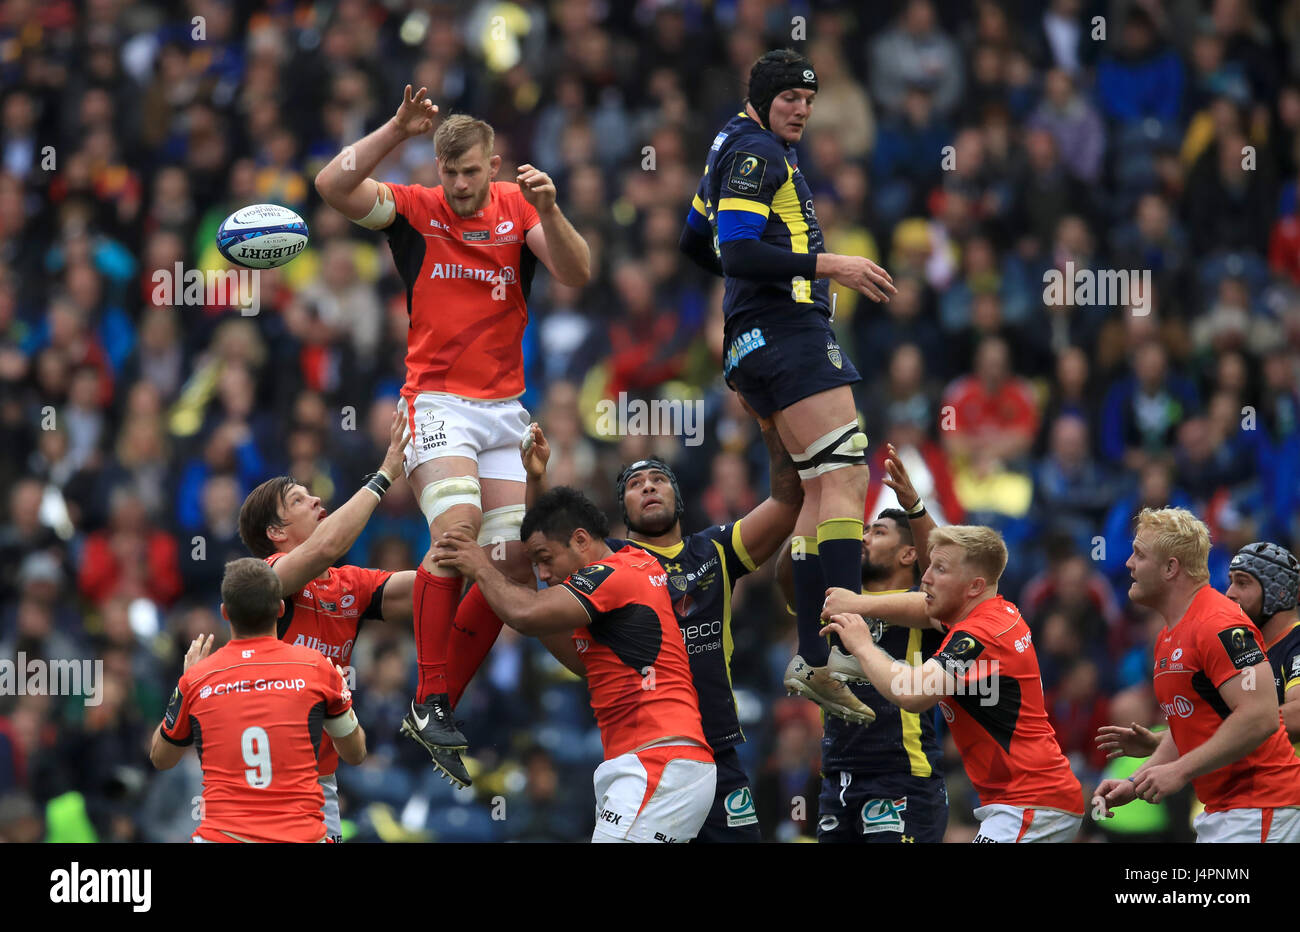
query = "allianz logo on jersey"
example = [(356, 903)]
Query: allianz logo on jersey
[(456, 270), (1181, 706), (334, 651)]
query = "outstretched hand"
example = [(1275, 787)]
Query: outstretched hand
[(415, 116)]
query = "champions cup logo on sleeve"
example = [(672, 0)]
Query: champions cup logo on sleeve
[(589, 578), (1242, 649), (747, 173)]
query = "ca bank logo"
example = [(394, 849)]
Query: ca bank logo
[(883, 815), (739, 806), (747, 167)]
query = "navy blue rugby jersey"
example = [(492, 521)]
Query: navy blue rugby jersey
[(702, 572), (752, 189)]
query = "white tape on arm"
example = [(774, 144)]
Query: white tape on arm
[(343, 725), (381, 215)]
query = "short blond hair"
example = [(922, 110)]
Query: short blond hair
[(460, 133), (1178, 533), (983, 549)]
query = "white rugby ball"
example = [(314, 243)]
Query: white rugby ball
[(262, 236)]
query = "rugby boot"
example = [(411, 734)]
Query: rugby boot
[(845, 668), (449, 764), (430, 724), (834, 697)]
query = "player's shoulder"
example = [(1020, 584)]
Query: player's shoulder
[(994, 617), (1212, 610)]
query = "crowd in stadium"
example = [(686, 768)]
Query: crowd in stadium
[(132, 429)]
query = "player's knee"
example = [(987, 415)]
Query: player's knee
[(438, 498), (501, 526), (839, 451)]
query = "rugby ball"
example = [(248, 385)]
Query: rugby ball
[(262, 236)]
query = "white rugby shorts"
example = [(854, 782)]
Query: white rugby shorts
[(1249, 825), (1022, 825), (654, 795), (488, 432)]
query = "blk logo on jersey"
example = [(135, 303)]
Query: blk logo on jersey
[(747, 173), (589, 578), (1242, 649)]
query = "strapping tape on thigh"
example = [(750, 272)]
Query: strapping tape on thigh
[(438, 496), (841, 447), (501, 524)]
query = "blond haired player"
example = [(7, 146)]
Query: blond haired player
[(466, 251), (985, 679), (1215, 686)]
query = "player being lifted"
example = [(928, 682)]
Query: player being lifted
[(1225, 734), (752, 221), (607, 616), (466, 251), (257, 711)]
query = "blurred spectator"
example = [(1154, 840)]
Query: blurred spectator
[(787, 788)]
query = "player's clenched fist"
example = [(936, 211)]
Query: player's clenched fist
[(415, 116), (537, 187), (852, 630)]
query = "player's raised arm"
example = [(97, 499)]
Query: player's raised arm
[(338, 531), (764, 529), (345, 183), (918, 519), (554, 241)]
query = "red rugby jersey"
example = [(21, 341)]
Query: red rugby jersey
[(326, 615), (637, 669), (255, 711), (466, 330), (1000, 721), (1208, 646)]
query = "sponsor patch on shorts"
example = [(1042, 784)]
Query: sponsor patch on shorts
[(883, 815), (739, 806), (742, 346)]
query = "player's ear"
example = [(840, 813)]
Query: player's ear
[(226, 615), (494, 166), (280, 612), (907, 556), (276, 533)]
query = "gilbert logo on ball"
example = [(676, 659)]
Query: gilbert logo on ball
[(262, 236)]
